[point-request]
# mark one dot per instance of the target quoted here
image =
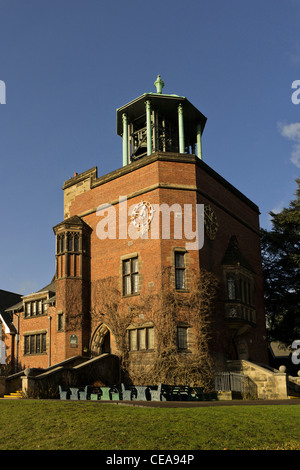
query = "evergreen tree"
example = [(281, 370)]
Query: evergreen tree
[(281, 263)]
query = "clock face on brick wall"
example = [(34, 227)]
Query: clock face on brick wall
[(210, 222), (141, 216)]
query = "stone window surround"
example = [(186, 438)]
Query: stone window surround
[(34, 307), (60, 321), (35, 334), (184, 325), (187, 262), (242, 278), (142, 326), (128, 257)]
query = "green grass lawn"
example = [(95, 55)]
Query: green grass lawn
[(54, 425)]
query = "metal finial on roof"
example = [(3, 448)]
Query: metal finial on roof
[(159, 84)]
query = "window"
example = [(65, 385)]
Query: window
[(28, 309), (69, 243), (35, 344), (246, 290), (133, 340), (60, 243), (141, 339), (239, 302), (231, 288), (73, 241), (60, 322), (130, 276), (76, 242), (2, 352), (179, 270), (240, 288), (36, 307), (182, 337), (150, 338)]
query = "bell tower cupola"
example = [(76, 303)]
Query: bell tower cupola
[(157, 122)]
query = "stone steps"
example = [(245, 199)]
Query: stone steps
[(13, 396)]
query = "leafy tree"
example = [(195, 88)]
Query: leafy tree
[(281, 263)]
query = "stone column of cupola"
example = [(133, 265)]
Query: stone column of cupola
[(149, 127), (125, 139), (181, 129), (199, 143), (140, 123)]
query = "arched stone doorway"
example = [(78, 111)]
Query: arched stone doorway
[(100, 342)]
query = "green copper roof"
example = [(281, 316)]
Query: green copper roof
[(165, 104)]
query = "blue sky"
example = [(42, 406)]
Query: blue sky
[(69, 64)]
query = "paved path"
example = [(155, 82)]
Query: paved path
[(197, 404)]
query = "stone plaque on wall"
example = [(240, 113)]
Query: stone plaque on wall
[(73, 341)]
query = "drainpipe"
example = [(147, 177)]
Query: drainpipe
[(17, 342), (49, 318), (149, 131), (181, 129), (125, 140)]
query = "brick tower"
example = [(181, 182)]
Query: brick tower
[(72, 282), (163, 167), (165, 208)]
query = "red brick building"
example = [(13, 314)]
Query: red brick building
[(131, 224)]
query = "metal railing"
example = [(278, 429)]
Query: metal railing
[(235, 382)]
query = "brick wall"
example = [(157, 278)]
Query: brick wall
[(174, 179), (159, 179)]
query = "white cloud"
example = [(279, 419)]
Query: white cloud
[(295, 54), (292, 132), (26, 287), (278, 208)]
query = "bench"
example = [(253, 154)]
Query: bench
[(114, 393), (64, 394), (141, 392), (197, 394), (95, 393), (165, 392), (74, 393), (180, 393), (89, 393), (83, 393), (127, 392), (160, 393), (104, 393)]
